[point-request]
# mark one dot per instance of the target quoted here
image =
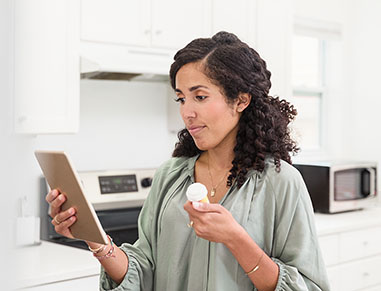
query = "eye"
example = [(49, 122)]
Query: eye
[(201, 97), (179, 99)]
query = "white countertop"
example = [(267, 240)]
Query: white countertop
[(340, 222), (50, 262)]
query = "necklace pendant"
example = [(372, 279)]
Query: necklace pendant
[(213, 192)]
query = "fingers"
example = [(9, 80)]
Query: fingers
[(190, 207), (64, 227), (51, 195), (63, 221), (55, 200), (205, 207), (59, 218)]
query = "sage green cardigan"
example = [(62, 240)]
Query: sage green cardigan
[(274, 208)]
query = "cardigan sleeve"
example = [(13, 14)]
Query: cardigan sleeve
[(141, 258), (142, 254)]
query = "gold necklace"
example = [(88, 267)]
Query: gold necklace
[(214, 188)]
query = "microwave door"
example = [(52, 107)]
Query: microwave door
[(354, 184)]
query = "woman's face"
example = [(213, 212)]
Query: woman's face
[(210, 120)]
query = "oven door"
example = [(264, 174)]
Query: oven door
[(120, 224)]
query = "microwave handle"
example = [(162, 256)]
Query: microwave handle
[(372, 183)]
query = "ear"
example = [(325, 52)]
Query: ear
[(243, 101)]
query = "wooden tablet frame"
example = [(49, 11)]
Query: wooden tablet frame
[(60, 174)]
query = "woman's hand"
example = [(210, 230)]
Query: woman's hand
[(62, 220), (212, 221)]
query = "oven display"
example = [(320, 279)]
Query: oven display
[(118, 184)]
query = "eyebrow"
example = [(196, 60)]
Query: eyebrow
[(193, 88)]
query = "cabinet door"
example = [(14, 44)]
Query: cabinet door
[(238, 17), (361, 274), (360, 243), (116, 21), (46, 66), (176, 23)]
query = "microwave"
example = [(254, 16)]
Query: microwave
[(340, 186)]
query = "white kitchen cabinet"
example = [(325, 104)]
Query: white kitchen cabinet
[(359, 275), (238, 17), (116, 21), (360, 243), (351, 249), (274, 34), (148, 23), (46, 66), (176, 22)]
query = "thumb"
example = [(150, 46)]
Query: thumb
[(205, 207)]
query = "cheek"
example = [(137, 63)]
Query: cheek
[(223, 118), (181, 112)]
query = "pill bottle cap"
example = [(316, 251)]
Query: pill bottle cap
[(196, 192)]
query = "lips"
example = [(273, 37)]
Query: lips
[(195, 129)]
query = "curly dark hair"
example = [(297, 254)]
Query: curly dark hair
[(263, 127)]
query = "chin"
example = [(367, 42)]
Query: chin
[(203, 146), (199, 145)]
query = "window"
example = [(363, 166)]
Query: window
[(308, 90), (312, 52)]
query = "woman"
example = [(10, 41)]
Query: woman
[(258, 231)]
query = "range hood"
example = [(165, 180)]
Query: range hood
[(119, 62)]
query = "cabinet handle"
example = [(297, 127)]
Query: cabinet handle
[(158, 32), (147, 31)]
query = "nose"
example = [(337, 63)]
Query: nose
[(187, 111)]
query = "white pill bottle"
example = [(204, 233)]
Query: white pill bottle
[(197, 192)]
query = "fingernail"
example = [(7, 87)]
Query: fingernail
[(71, 211), (196, 204)]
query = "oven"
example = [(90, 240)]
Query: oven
[(117, 197)]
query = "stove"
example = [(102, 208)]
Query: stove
[(117, 197)]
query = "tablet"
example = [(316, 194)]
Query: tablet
[(60, 174)]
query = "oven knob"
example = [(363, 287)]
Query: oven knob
[(146, 182)]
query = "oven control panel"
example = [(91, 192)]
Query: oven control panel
[(118, 188)]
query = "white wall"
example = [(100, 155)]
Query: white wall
[(6, 181), (123, 125), (363, 136), (324, 10)]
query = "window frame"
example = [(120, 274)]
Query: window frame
[(324, 32)]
